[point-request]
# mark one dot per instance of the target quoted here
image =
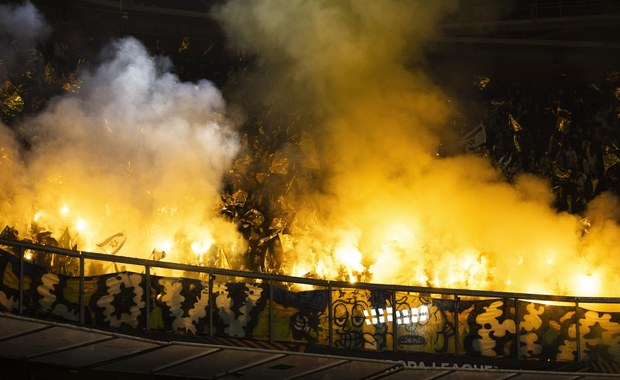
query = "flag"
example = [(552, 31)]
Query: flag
[(113, 244), (474, 138), (65, 240)]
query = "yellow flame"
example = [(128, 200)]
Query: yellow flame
[(81, 225), (201, 247), (352, 278), (28, 255), (299, 271), (321, 269), (587, 284), (38, 215), (164, 244)]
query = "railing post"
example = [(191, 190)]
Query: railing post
[(394, 323), (577, 334), (210, 306), (270, 311), (20, 305), (517, 329), (81, 290), (456, 324), (147, 295), (330, 330)]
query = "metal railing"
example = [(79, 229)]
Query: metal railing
[(505, 10), (20, 247)]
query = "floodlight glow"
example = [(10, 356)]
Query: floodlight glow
[(379, 315), (415, 315), (424, 314), (405, 317), (366, 319)]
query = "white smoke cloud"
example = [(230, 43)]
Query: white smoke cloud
[(22, 26), (134, 150), (23, 22)]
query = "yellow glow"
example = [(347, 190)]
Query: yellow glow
[(80, 225), (536, 289), (64, 210), (38, 216), (587, 284), (299, 271), (164, 245), (551, 254), (28, 255), (200, 248), (349, 255), (400, 235)]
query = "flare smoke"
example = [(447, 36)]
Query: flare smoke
[(149, 152), (134, 150), (386, 201)]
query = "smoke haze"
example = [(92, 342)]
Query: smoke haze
[(137, 151), (21, 28), (387, 203), (134, 150)]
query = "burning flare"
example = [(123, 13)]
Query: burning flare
[(387, 206)]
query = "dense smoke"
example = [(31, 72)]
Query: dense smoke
[(386, 202), (133, 153)]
